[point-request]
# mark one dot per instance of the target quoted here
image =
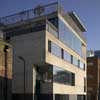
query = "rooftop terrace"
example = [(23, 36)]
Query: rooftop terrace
[(29, 14)]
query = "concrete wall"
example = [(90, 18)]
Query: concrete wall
[(31, 47)]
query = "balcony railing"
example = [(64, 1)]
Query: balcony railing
[(51, 28), (28, 14)]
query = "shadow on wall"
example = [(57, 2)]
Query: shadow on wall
[(24, 80), (5, 88)]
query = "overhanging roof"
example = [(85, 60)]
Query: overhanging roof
[(78, 22)]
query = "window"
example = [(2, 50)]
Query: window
[(81, 97), (78, 63), (75, 61), (49, 46), (81, 65), (54, 21), (61, 97), (67, 57), (63, 76), (69, 38), (54, 49), (84, 67), (59, 52), (62, 53), (71, 59)]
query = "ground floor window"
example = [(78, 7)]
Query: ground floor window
[(61, 97), (81, 97)]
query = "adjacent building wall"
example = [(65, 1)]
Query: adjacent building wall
[(31, 48), (93, 77)]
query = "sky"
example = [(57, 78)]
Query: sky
[(87, 10)]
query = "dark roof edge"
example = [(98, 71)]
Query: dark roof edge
[(77, 20)]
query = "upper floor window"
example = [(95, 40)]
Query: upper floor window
[(54, 49), (82, 65), (75, 61), (70, 39), (61, 53), (67, 56)]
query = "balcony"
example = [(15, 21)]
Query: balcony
[(28, 14)]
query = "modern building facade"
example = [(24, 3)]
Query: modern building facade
[(93, 77), (49, 54), (5, 69)]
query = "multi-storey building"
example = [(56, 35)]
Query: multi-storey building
[(49, 53), (5, 69), (93, 76)]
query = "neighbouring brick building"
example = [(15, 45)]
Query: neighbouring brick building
[(5, 70), (93, 77)]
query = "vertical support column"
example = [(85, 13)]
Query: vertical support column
[(53, 96)]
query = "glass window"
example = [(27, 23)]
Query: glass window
[(78, 63), (81, 65), (81, 97), (61, 97), (54, 21), (54, 49), (63, 76), (71, 59), (49, 46), (69, 38), (75, 61), (62, 53), (51, 28), (67, 56)]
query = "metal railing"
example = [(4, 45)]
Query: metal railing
[(28, 14), (51, 28)]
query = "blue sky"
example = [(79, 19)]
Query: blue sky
[(88, 10)]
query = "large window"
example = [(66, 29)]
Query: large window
[(69, 38), (63, 76)]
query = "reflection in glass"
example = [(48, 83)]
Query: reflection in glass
[(63, 77), (69, 38)]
